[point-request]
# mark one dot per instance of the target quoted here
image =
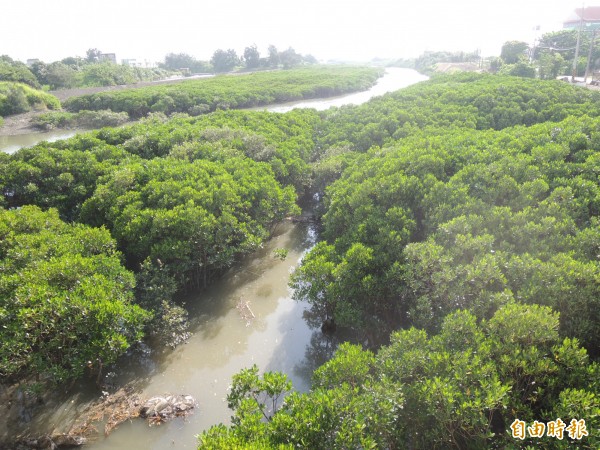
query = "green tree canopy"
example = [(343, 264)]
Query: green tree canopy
[(177, 61), (65, 298), (513, 51), (251, 57), (224, 61), (194, 217), (16, 71)]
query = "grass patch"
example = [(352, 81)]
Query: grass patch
[(16, 98)]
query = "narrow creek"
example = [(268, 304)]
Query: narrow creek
[(222, 341)]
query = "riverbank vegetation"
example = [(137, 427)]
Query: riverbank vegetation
[(16, 98), (183, 198), (408, 215), (460, 241), (459, 388), (66, 298), (201, 96), (82, 119)]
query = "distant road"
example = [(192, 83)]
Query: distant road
[(64, 94)]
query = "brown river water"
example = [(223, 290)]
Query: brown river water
[(222, 341)]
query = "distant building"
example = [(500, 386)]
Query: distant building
[(590, 16), (110, 57), (132, 62), (31, 62)]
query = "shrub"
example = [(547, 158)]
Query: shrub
[(65, 298), (16, 98), (82, 119)]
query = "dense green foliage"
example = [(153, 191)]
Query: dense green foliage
[(488, 204), (64, 174), (513, 51), (193, 193), (82, 119), (194, 217), (224, 60), (18, 98), (455, 101), (16, 72), (255, 89), (284, 141), (467, 192), (60, 175), (65, 298), (451, 216), (461, 388)]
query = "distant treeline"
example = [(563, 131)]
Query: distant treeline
[(97, 70), (551, 56), (76, 72)]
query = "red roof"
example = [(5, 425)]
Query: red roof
[(589, 14)]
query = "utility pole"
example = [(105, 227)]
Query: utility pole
[(574, 74), (589, 60)]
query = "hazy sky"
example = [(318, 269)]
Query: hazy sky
[(350, 29)]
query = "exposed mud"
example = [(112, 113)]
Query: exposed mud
[(19, 124)]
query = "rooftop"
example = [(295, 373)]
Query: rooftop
[(589, 14)]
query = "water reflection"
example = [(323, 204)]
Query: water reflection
[(394, 79), (11, 144), (223, 343)]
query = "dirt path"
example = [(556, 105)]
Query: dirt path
[(65, 94)]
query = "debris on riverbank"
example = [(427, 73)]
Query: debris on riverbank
[(161, 409), (113, 410)]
